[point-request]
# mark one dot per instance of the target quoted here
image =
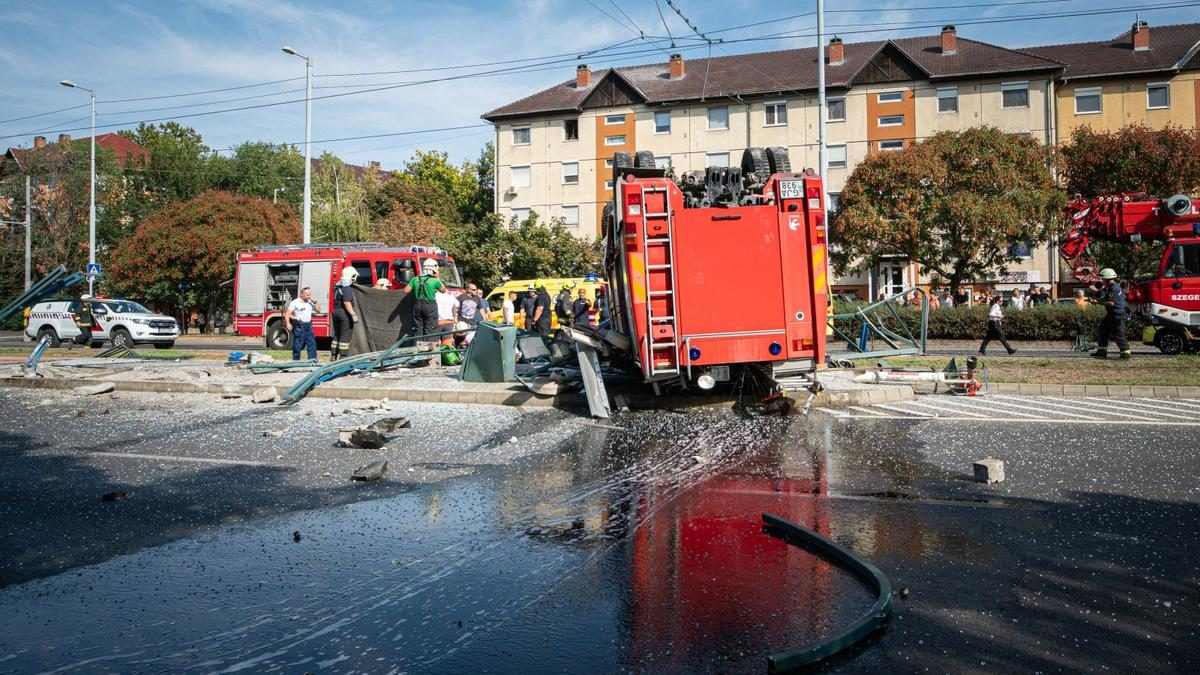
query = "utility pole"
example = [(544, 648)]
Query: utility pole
[(822, 157), (28, 236), (308, 69)]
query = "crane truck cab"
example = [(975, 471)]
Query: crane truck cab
[(268, 277)]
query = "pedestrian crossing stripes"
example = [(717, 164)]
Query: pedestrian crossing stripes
[(1033, 409)]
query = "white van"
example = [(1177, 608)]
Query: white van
[(124, 323)]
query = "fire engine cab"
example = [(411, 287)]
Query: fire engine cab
[(1171, 298), (269, 277), (719, 271)]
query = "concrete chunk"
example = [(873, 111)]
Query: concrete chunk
[(370, 472), (94, 389), (266, 395), (989, 471)]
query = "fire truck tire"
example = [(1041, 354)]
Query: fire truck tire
[(48, 331), (278, 337), (622, 160), (1169, 341), (643, 159), (780, 162), (754, 161), (121, 338)]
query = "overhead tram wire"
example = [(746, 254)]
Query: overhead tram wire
[(614, 19), (198, 93), (51, 112), (664, 22)]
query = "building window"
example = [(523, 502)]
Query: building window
[(836, 154), (835, 109), (890, 146), (891, 96), (718, 118), (615, 140), (835, 201), (947, 99), (521, 136), (1015, 94), (662, 122), (571, 216), (608, 163), (717, 159), (891, 120), (1158, 95), (520, 177), (520, 214), (570, 173), (662, 161), (610, 120), (608, 185), (1087, 101), (570, 130), (775, 114)]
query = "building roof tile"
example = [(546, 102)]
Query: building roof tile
[(1171, 48)]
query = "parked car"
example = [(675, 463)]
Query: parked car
[(123, 323)]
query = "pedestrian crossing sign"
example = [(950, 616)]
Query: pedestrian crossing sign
[(93, 269)]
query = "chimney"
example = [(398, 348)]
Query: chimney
[(583, 76), (949, 40), (64, 138), (39, 142), (1141, 36), (837, 52), (374, 165), (676, 66)]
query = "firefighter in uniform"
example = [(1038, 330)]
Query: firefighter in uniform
[(85, 320), (344, 316), (424, 289), (1112, 296)]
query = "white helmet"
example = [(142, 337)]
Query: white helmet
[(429, 266), (1108, 273), (349, 275), (85, 296)]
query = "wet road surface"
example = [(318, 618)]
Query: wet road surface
[(640, 549)]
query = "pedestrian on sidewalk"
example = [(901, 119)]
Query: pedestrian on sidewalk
[(298, 319), (1017, 301), (994, 330), (1112, 326)]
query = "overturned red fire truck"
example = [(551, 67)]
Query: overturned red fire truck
[(717, 272), (1171, 298)]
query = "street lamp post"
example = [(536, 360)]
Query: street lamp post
[(92, 200), (308, 65), (275, 196)]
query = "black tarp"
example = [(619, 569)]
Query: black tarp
[(384, 316)]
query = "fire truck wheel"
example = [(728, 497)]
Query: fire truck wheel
[(278, 337), (644, 159), (47, 330), (780, 162), (1169, 341), (121, 338)]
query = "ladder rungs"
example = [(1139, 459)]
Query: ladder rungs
[(661, 318), (663, 345), (658, 267), (655, 215), (654, 240), (662, 292)]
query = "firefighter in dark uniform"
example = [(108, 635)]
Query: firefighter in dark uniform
[(85, 320), (542, 309), (529, 308), (1112, 296), (424, 289), (344, 314)]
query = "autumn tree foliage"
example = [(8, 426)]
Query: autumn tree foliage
[(184, 252), (1135, 158), (956, 204)]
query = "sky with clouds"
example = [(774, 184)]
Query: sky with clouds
[(155, 49)]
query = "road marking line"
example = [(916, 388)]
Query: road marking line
[(1040, 420), (984, 408), (895, 408), (866, 410), (1173, 401), (175, 458), (1057, 412), (941, 410), (1107, 412), (1142, 408)]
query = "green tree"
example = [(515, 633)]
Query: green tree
[(259, 169), (339, 198), (955, 204), (546, 250), (184, 252), (1132, 159), (434, 169)]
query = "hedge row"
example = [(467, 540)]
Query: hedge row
[(1047, 322)]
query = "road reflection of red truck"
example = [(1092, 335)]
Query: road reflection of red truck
[(268, 277), (705, 577)]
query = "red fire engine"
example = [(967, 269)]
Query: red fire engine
[(1171, 299), (268, 277), (719, 270)]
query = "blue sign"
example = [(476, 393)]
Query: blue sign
[(93, 269)]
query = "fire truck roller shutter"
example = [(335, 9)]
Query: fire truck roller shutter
[(252, 288), (315, 275)]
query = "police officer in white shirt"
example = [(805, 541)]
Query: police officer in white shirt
[(298, 319)]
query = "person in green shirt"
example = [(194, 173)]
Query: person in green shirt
[(424, 289)]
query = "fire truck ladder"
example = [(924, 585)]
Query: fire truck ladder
[(662, 338)]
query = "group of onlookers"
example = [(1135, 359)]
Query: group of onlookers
[(202, 323), (537, 310)]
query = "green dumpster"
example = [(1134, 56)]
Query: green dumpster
[(492, 354)]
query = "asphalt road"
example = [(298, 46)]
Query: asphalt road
[(633, 545)]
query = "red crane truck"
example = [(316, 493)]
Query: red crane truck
[(268, 277), (1171, 298), (719, 270)]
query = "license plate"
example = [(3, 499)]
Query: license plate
[(791, 189), (719, 373)]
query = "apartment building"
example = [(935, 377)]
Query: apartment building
[(555, 147)]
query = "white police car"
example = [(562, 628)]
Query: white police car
[(124, 323)]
